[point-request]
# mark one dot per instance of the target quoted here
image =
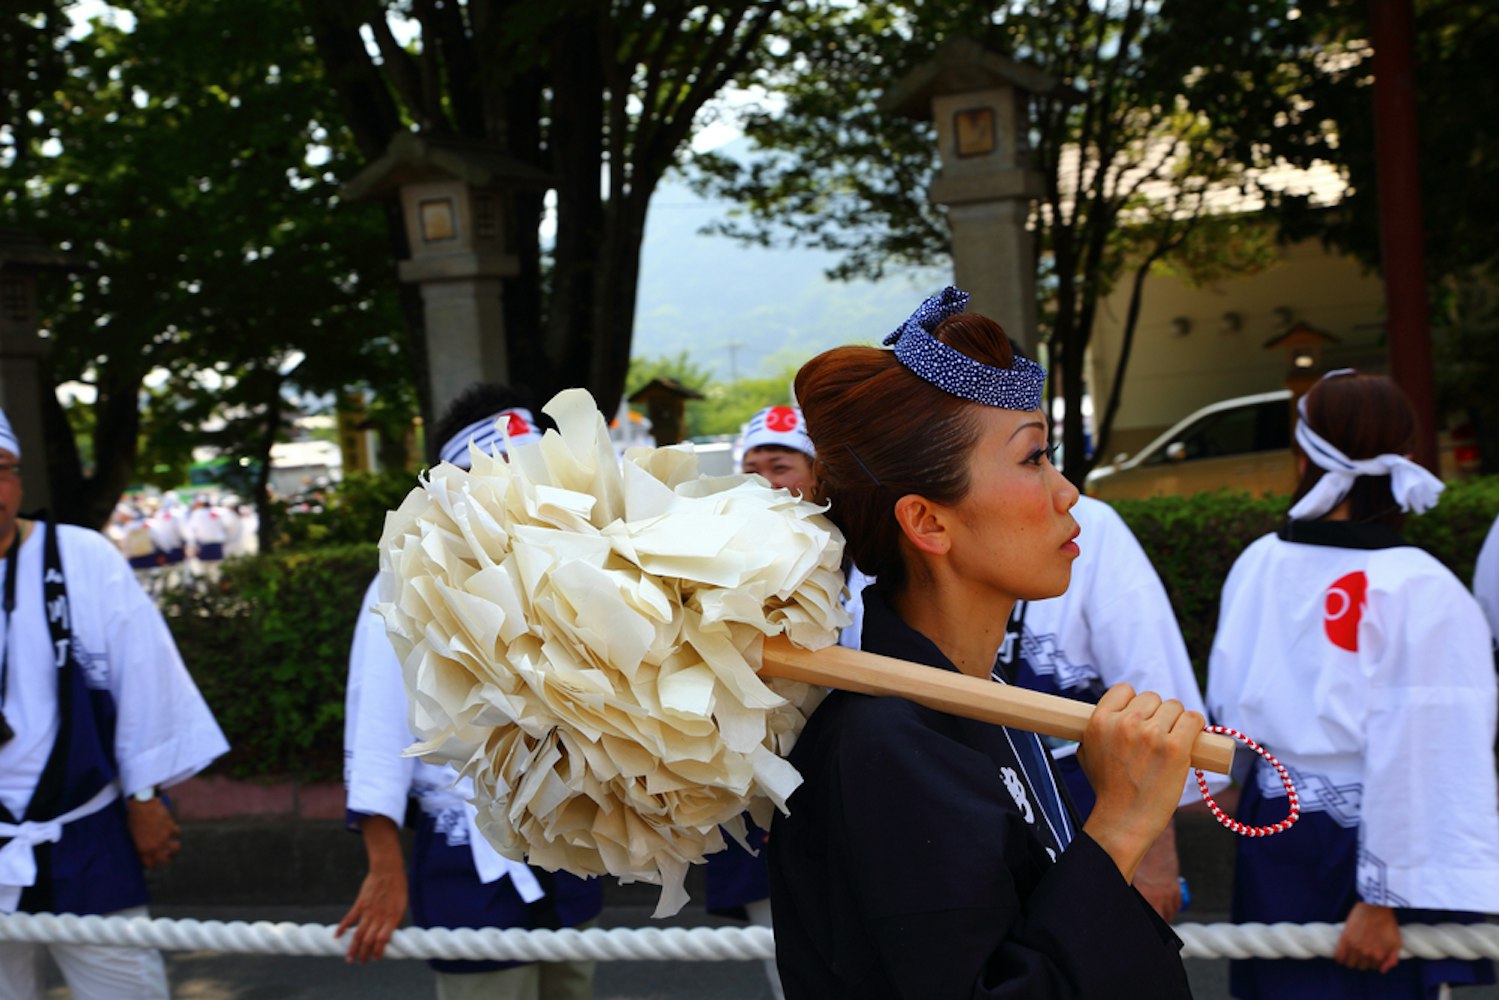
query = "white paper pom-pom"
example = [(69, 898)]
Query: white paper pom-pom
[(581, 638)]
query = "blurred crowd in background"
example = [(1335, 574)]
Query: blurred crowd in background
[(172, 542)]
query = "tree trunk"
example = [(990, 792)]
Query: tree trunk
[(1126, 345), (618, 280), (89, 500), (579, 104)]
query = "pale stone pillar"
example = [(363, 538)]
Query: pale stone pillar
[(978, 100), (454, 196)]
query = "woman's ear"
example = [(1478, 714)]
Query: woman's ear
[(923, 524)]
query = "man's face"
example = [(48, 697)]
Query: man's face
[(10, 495), (785, 468)]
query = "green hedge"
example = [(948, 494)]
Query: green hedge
[(1194, 540), (270, 647)]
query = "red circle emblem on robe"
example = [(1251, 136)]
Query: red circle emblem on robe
[(1343, 609)]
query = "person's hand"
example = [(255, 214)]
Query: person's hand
[(1158, 877), (381, 903), (154, 831), (375, 915), (1135, 752), (1371, 939)]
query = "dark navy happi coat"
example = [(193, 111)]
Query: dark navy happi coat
[(908, 868)]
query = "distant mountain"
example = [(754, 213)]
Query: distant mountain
[(732, 306)]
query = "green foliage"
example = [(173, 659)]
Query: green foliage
[(1126, 166), (1324, 56), (1194, 540), (601, 97), (1224, 249), (269, 648), (189, 159), (353, 512)]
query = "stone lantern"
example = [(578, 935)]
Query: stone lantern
[(22, 257), (978, 100), (455, 202)]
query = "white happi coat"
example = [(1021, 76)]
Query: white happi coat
[(168, 529), (1369, 673), (165, 731), (378, 779), (206, 526)]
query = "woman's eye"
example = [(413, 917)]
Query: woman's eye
[(1048, 453)]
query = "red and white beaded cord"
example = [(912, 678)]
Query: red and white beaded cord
[(1285, 779)]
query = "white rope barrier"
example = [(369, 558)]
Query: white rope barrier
[(680, 944), (1466, 941)]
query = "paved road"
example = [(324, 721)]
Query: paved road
[(208, 976)]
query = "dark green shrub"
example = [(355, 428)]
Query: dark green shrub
[(1193, 541), (269, 648)]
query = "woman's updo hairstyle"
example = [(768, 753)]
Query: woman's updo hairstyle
[(1362, 416), (882, 432)]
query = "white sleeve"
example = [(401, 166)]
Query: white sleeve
[(852, 635), (165, 732), (1486, 579), (1132, 628), (1133, 634), (377, 778), (1430, 831), (1228, 661)]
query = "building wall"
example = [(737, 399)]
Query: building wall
[(1171, 374)]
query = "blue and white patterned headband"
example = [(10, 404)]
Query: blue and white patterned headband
[(490, 435), (952, 371)]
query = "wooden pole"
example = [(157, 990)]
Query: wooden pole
[(956, 694), (1401, 234)]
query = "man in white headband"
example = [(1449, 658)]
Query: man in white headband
[(775, 444), (456, 878), (80, 814), (487, 432)]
